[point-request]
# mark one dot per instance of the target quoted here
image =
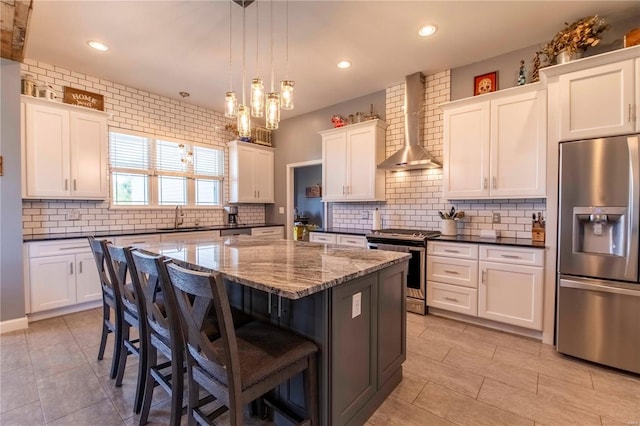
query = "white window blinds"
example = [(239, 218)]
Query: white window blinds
[(155, 172)]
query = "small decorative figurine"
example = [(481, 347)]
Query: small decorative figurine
[(522, 75)]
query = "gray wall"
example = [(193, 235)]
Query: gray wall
[(508, 64), (310, 207), (11, 283), (297, 140)]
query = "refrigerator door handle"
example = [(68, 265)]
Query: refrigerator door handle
[(581, 285), (634, 208)]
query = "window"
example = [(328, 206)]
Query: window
[(148, 171)]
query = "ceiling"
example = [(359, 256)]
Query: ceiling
[(165, 47)]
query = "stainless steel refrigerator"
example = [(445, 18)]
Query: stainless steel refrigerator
[(598, 316)]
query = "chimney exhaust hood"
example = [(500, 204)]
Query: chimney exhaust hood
[(413, 155)]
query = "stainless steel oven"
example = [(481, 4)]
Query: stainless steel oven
[(414, 243)]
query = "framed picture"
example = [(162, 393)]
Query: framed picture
[(485, 83)]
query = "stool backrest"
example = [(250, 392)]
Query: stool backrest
[(102, 258), (119, 270), (150, 277), (196, 294)]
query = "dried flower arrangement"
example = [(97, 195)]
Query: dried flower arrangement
[(578, 36)]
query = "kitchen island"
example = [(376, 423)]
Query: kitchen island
[(349, 301)]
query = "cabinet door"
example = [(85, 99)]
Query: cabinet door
[(88, 144), (246, 172), (466, 152), (87, 279), (263, 176), (361, 164), (47, 151), (52, 282), (334, 166), (518, 145), (511, 294), (597, 102)]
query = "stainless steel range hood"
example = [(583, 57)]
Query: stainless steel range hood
[(413, 155)]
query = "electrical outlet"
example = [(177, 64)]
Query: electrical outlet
[(73, 215), (496, 217), (356, 305), (364, 214), (280, 210)]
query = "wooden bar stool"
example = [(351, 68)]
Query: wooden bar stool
[(244, 363), (132, 311), (110, 300)]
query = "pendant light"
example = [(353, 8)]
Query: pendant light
[(244, 115), (286, 86), (257, 87), (272, 106), (230, 101)]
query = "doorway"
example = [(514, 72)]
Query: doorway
[(304, 183)]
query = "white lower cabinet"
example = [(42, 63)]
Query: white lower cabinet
[(512, 292), (494, 282), (61, 273), (340, 239)]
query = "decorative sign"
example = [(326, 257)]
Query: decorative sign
[(83, 98)]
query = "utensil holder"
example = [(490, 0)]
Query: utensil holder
[(449, 227)]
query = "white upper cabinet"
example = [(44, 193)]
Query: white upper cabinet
[(594, 97), (251, 171), (495, 145), (350, 156), (597, 101), (64, 152)]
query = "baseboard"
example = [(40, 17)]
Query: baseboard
[(534, 334), (37, 316), (14, 324)]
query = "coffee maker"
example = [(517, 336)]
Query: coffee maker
[(231, 218)]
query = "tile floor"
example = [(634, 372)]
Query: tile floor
[(455, 374)]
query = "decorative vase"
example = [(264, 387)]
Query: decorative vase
[(449, 227), (565, 56)]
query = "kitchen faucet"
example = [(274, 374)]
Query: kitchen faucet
[(179, 219)]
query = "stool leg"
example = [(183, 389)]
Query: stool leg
[(152, 360), (105, 330), (142, 367), (177, 386), (117, 345), (124, 353), (310, 377), (194, 394)]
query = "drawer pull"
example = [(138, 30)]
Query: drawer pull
[(70, 268), (72, 248), (452, 272), (484, 273), (80, 267), (510, 256), (451, 299), (138, 242), (451, 251)]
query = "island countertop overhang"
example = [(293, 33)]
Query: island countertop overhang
[(286, 268)]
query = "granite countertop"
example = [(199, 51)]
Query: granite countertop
[(291, 269), (514, 242), (346, 231), (70, 235)]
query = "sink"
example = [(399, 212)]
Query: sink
[(183, 228)]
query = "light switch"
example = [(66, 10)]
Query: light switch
[(356, 304)]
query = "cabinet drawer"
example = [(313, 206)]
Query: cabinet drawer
[(273, 231), (452, 298), (457, 250), (352, 240), (519, 256), (320, 237), (55, 248), (136, 240), (453, 271)]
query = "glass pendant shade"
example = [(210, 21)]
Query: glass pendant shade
[(230, 105), (286, 94), (257, 97), (273, 111), (244, 122)]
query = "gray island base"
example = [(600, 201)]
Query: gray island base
[(350, 301)]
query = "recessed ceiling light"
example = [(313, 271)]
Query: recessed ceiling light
[(97, 45), (344, 65), (427, 30)]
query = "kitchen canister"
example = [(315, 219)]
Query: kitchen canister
[(377, 221), (449, 227)]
